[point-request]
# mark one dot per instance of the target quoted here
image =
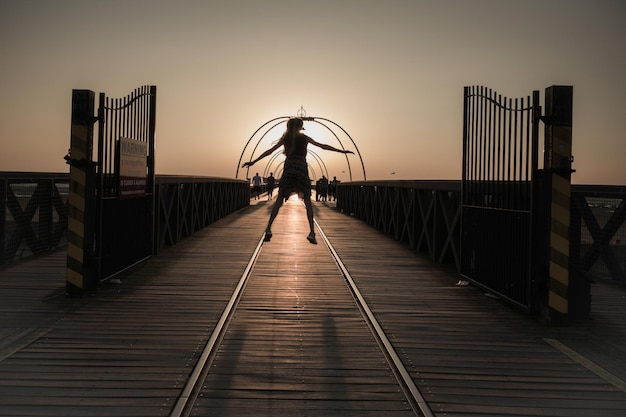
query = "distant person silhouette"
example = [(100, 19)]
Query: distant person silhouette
[(256, 184), (318, 189), (332, 189), (295, 177), (271, 183), (323, 188)]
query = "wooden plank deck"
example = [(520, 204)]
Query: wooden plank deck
[(473, 355), (297, 345), (128, 350)]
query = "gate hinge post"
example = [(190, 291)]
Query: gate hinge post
[(568, 295), (80, 277)]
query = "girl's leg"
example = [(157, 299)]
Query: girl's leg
[(309, 215), (275, 208)]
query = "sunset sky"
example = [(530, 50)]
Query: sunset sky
[(391, 73)]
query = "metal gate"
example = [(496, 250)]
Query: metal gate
[(500, 152), (111, 199), (125, 180)]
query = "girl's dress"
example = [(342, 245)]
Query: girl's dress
[(295, 178)]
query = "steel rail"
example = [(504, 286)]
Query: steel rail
[(184, 404), (186, 400), (415, 398)]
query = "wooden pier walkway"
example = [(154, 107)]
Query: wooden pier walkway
[(297, 345)]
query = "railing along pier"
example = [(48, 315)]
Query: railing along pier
[(423, 214)]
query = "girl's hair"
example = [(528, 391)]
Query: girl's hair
[(294, 126)]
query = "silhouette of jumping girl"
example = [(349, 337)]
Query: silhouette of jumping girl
[(295, 177)]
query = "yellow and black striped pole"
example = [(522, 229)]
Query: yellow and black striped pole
[(81, 179), (558, 162), (558, 288)]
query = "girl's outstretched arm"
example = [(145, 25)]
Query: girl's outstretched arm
[(263, 155), (328, 147)]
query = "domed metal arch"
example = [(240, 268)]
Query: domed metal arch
[(320, 163), (270, 163), (283, 118), (342, 147), (302, 114)]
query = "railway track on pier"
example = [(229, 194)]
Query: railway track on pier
[(299, 339), (297, 343)]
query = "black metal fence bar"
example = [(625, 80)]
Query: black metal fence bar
[(499, 161), (34, 213), (188, 204), (34, 209), (598, 231), (128, 117), (499, 153), (425, 215)]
